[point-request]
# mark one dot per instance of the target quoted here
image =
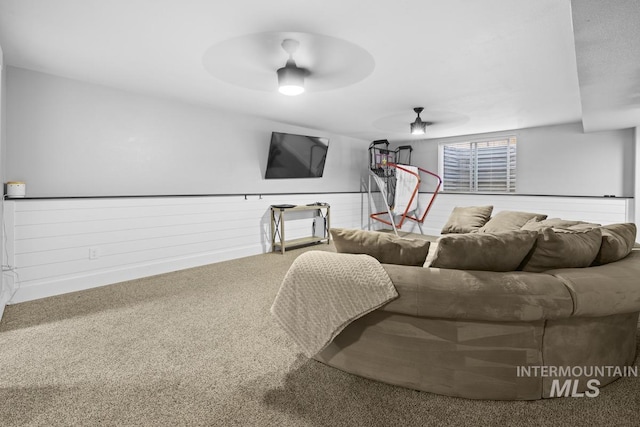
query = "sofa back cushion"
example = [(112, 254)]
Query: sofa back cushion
[(509, 221), (583, 226), (617, 242), (563, 249), (535, 225), (465, 219), (385, 247), (503, 251)]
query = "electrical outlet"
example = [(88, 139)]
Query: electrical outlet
[(94, 253)]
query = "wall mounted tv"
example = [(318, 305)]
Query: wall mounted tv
[(296, 156)]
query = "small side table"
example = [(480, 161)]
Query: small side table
[(278, 221)]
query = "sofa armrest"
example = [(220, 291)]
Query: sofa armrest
[(477, 295), (604, 290)]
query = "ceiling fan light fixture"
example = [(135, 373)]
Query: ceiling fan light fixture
[(291, 79), (418, 127)]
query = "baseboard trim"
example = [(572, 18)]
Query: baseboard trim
[(59, 286)]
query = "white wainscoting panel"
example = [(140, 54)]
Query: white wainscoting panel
[(64, 245), (8, 284), (600, 210)]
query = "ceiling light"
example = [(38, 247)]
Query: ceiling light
[(291, 77), (418, 127)]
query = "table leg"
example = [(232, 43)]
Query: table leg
[(273, 231), (328, 225), (282, 231)]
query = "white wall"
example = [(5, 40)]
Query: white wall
[(69, 138), (567, 161), (558, 160), (50, 241)]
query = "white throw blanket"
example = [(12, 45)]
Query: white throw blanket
[(405, 186), (324, 291)]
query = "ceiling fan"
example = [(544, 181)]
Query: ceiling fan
[(397, 122), (419, 127), (291, 77), (334, 63)]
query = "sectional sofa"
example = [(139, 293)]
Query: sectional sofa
[(511, 307)]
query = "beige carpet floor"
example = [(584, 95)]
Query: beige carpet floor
[(199, 348)]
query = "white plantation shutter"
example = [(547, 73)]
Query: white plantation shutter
[(458, 168), (480, 166)]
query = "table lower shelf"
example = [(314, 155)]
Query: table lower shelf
[(299, 242)]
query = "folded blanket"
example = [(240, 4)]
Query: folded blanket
[(325, 291), (405, 186)]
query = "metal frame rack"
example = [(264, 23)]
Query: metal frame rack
[(384, 168)]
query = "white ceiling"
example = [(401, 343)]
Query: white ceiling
[(475, 66), (607, 38)]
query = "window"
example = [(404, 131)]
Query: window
[(479, 166)]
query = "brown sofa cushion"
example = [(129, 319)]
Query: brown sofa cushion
[(617, 242), (486, 252), (602, 291), (465, 219), (479, 295), (385, 247), (583, 226), (563, 249), (535, 225), (509, 221)]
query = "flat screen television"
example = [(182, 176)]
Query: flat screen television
[(296, 156)]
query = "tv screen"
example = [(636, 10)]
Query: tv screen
[(296, 156)]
